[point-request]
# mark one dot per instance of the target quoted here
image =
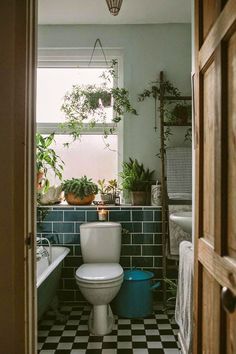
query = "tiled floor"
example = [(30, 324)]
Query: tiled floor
[(154, 335)]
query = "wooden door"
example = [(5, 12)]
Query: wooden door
[(17, 222), (215, 201)]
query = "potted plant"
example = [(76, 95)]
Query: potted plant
[(181, 113), (108, 191), (178, 114), (79, 191), (46, 159), (137, 180), (86, 104)]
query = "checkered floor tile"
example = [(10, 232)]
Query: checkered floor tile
[(69, 335)]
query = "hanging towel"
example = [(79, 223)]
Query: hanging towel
[(176, 234), (179, 170), (184, 299)]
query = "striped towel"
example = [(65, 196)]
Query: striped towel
[(179, 170)]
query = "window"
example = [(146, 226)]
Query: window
[(89, 156)]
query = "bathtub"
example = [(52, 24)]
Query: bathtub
[(48, 277)]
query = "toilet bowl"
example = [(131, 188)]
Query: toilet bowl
[(99, 283), (100, 277)]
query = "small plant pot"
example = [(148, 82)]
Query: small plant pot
[(108, 198), (72, 200), (40, 180), (139, 198), (181, 114)]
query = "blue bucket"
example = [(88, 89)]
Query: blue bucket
[(134, 299)]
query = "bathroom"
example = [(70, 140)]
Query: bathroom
[(118, 154), (136, 137)]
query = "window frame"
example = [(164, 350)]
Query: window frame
[(80, 57)]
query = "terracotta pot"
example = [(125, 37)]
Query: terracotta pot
[(72, 200), (40, 180), (139, 198)]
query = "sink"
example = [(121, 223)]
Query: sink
[(183, 219)]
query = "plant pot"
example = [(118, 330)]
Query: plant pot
[(181, 114), (108, 198), (40, 180), (139, 198), (72, 200)]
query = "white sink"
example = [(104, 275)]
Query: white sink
[(183, 219)]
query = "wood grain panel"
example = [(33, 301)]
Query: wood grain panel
[(211, 312), (210, 9), (208, 151), (219, 31), (231, 333), (232, 146)]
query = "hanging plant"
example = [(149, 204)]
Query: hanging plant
[(175, 112), (87, 104)]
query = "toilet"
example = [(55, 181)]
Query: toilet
[(100, 277)]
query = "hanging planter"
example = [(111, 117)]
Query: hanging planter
[(88, 103)]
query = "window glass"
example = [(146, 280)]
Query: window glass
[(54, 83), (89, 157)]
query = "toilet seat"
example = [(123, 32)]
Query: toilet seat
[(99, 273)]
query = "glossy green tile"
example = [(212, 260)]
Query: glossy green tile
[(152, 250), (73, 261), (126, 239), (152, 227), (92, 216), (132, 227), (54, 216), (158, 261), (74, 215), (70, 284), (142, 215), (125, 261), (71, 239), (67, 272), (121, 215), (142, 239), (44, 227), (77, 251), (142, 262), (63, 227), (129, 250)]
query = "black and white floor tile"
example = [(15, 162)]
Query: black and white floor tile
[(154, 335)]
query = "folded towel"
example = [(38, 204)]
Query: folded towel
[(184, 299), (176, 234), (179, 170)]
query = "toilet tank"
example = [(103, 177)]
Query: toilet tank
[(100, 242)]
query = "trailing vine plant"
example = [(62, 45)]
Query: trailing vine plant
[(86, 104), (157, 89)]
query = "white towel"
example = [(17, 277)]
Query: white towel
[(184, 299), (179, 170)]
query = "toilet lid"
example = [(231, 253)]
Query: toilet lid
[(99, 271)]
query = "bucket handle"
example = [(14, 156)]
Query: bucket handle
[(155, 286)]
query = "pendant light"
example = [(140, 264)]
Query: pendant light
[(114, 6)]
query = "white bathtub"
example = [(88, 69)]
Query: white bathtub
[(48, 277)]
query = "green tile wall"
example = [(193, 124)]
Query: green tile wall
[(141, 246)]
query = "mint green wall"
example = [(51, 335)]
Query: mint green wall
[(147, 50)]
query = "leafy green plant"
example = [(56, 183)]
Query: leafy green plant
[(46, 157), (179, 112), (109, 187), (80, 187), (86, 104), (135, 177)]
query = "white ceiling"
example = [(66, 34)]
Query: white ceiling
[(96, 12)]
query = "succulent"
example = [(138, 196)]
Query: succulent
[(135, 177), (80, 187)]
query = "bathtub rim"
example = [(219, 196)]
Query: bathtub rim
[(44, 275)]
